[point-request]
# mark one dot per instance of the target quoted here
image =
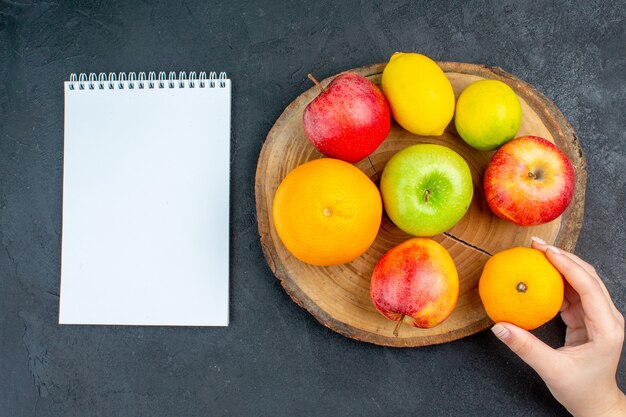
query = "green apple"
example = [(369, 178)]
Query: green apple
[(426, 189)]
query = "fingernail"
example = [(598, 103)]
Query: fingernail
[(501, 332), (538, 240), (553, 249)]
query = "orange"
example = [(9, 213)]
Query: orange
[(327, 212), (520, 286)]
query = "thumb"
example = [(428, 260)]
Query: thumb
[(531, 350)]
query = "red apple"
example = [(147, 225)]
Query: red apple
[(415, 282), (529, 181), (348, 119)]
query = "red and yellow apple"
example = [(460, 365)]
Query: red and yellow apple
[(529, 181), (348, 119), (415, 282)]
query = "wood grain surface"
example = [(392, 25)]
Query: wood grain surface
[(338, 296)]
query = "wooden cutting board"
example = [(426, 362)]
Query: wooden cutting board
[(338, 296)]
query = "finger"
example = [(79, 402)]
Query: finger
[(572, 312), (580, 262), (576, 337), (540, 244), (570, 294), (595, 304), (593, 273), (531, 350), (591, 270), (573, 318)]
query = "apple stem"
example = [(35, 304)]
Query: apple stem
[(396, 330), (317, 83), (426, 194), (531, 175)]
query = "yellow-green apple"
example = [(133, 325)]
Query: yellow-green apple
[(415, 282), (529, 181), (426, 189), (349, 119)]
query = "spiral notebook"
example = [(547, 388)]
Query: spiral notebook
[(145, 232)]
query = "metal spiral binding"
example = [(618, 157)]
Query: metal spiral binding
[(132, 80)]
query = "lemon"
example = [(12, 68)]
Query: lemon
[(419, 93), (488, 114)]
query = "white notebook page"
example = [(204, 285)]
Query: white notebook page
[(146, 205)]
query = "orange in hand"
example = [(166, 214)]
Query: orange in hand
[(520, 286), (327, 212)]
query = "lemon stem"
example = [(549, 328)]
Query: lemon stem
[(317, 83), (396, 330)]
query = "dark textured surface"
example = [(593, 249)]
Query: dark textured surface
[(274, 359)]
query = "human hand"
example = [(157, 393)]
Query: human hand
[(581, 374)]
